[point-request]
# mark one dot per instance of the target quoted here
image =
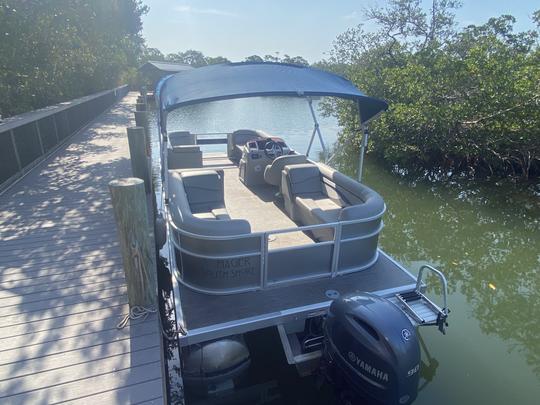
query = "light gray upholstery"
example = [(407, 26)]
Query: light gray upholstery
[(272, 172), (316, 194), (197, 205), (204, 189), (184, 156), (299, 180), (177, 138), (237, 140)]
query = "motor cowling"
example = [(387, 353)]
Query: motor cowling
[(373, 347)]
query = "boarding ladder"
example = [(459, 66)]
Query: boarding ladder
[(420, 309)]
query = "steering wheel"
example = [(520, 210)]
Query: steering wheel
[(272, 149)]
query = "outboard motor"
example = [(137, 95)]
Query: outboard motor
[(371, 350)]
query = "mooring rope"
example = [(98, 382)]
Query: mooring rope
[(173, 334), (137, 312)]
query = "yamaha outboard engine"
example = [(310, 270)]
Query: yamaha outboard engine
[(371, 350)]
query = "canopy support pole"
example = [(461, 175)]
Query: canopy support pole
[(363, 144), (316, 130)]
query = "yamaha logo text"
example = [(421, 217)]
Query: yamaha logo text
[(367, 368)]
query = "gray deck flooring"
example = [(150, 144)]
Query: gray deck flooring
[(257, 205), (62, 288), (201, 311)]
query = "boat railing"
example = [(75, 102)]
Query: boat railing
[(247, 262)]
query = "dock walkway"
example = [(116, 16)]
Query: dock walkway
[(62, 287)]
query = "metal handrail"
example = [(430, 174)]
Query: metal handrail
[(442, 278), (283, 230), (264, 250)]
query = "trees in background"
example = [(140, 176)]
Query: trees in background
[(53, 51), (189, 57), (198, 59), (296, 60), (464, 101)]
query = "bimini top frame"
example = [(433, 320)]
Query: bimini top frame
[(257, 79)]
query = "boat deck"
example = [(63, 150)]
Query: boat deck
[(206, 316), (62, 286), (212, 316), (260, 207)]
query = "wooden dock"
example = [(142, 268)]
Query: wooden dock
[(62, 287)]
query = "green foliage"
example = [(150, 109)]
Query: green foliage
[(195, 58), (58, 50), (464, 101), (150, 54), (254, 58), (296, 60)]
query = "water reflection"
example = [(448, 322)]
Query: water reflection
[(485, 237)]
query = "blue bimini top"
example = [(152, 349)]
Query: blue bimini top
[(257, 79)]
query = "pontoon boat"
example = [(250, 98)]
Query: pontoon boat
[(261, 235)]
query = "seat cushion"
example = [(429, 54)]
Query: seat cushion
[(204, 190), (318, 210), (184, 156), (204, 215), (177, 138), (272, 172), (221, 214), (305, 179), (238, 150)]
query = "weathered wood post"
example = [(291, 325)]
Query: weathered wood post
[(131, 214), (144, 94), (141, 120), (140, 166), (140, 107)]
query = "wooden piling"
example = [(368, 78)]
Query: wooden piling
[(141, 119), (131, 215), (140, 107), (144, 94), (140, 165)]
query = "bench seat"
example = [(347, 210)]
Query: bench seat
[(315, 194), (197, 204)]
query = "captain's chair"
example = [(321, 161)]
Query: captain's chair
[(272, 172)]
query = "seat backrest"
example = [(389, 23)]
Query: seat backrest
[(204, 189), (361, 201), (184, 156), (272, 173), (239, 138), (177, 138), (182, 214), (304, 179)]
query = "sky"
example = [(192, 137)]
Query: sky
[(239, 28)]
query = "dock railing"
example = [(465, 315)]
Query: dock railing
[(28, 138)]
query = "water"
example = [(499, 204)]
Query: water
[(484, 237)]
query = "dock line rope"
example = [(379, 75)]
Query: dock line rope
[(173, 334), (137, 312)]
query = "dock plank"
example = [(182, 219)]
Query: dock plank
[(62, 286)]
